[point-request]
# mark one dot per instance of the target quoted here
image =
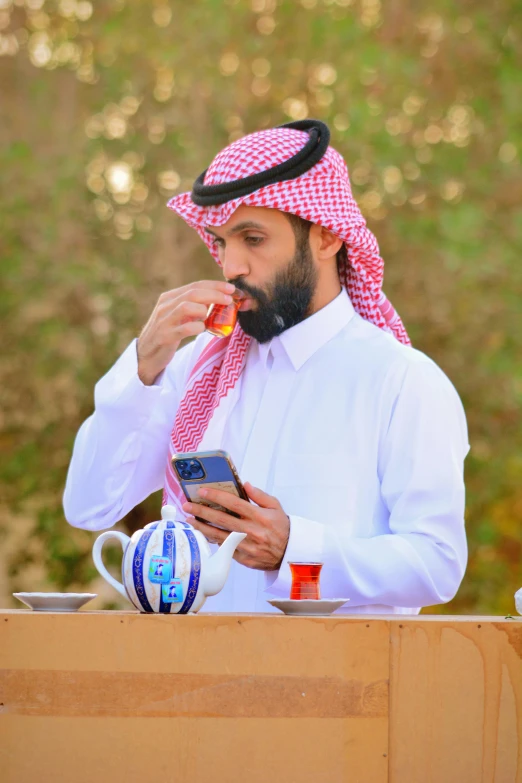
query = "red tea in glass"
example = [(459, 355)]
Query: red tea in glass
[(305, 581), (221, 319)]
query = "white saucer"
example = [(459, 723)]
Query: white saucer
[(310, 608), (54, 602)]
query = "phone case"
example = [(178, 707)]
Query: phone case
[(220, 473)]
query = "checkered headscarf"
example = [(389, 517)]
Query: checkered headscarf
[(321, 195)]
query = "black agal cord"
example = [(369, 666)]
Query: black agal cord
[(308, 156)]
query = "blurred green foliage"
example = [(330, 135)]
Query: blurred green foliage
[(108, 108)]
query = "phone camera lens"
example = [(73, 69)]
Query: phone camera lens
[(182, 465), (186, 474), (196, 469)]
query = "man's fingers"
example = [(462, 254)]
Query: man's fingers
[(212, 534), (189, 311), (190, 329), (244, 551), (262, 499), (205, 296), (220, 285), (199, 292), (178, 313), (228, 500), (216, 517)]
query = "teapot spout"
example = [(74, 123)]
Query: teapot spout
[(219, 564)]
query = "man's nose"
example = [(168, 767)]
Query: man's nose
[(234, 263)]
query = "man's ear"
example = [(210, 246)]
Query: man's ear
[(325, 244)]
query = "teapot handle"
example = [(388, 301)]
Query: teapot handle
[(98, 562)]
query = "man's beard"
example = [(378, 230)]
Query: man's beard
[(289, 301)]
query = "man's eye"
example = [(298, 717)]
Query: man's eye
[(218, 242), (253, 240)]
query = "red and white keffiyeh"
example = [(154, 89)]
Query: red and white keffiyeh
[(321, 195)]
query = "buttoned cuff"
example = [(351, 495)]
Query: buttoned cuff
[(305, 544)]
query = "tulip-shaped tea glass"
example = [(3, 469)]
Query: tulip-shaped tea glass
[(305, 581), (221, 319)]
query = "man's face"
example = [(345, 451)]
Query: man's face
[(261, 256)]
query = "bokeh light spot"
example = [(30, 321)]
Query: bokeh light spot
[(266, 25), (162, 16), (452, 190), (507, 152), (295, 108), (360, 174), (261, 67), (169, 180), (84, 10), (40, 51), (392, 179), (260, 87), (229, 63), (263, 6), (341, 122), (119, 177), (326, 74)]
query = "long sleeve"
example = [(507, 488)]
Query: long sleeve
[(120, 451), (421, 561)]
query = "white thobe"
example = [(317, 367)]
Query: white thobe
[(360, 438)]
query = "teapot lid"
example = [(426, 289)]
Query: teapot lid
[(168, 524), (170, 518), (171, 514)]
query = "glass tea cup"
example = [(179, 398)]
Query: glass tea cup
[(221, 319), (305, 581)]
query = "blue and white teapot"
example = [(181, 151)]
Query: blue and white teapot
[(168, 566)]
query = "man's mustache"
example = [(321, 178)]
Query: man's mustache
[(254, 293)]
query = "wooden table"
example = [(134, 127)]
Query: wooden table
[(123, 697)]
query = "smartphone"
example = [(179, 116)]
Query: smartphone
[(212, 469)]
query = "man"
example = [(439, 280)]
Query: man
[(350, 442)]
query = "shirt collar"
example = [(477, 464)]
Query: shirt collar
[(301, 341)]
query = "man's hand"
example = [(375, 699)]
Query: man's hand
[(266, 525), (178, 313)]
